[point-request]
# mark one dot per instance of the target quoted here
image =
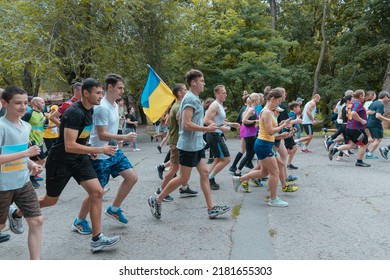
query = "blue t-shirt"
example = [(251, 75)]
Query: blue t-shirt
[(189, 140)]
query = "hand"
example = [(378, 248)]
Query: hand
[(33, 151), (314, 122), (211, 128), (93, 156), (109, 150), (120, 144), (236, 125), (131, 136), (36, 169)]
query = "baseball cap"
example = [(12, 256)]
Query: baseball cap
[(299, 99)]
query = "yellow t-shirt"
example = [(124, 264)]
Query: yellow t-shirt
[(51, 132), (263, 135)]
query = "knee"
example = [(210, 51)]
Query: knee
[(35, 222), (97, 194)]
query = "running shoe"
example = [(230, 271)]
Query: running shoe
[(187, 192), (160, 170), (290, 188), (155, 207), (291, 178), (339, 158), (245, 185), (167, 198), (291, 167), (232, 169), (362, 164), (16, 224), (4, 237), (37, 178), (371, 156), (384, 152), (277, 202), (213, 184), (236, 183), (81, 226), (210, 161), (103, 242), (136, 150), (116, 216), (256, 182), (217, 210), (331, 153), (306, 151)]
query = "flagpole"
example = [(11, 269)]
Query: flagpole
[(150, 67)]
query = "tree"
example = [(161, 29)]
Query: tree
[(323, 49)]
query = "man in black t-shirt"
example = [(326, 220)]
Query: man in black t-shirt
[(69, 157)]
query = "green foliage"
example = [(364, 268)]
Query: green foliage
[(45, 45)]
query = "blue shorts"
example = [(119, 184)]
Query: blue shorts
[(111, 166), (264, 149)]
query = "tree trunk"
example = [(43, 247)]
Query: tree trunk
[(27, 79), (386, 87), (323, 49), (272, 5)]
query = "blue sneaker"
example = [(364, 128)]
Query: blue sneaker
[(291, 178), (116, 216), (82, 227)]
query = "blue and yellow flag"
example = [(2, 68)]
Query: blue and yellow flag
[(156, 96)]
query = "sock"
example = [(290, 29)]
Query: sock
[(184, 187), (114, 209), (237, 159), (14, 215), (359, 161), (212, 175), (96, 237), (304, 147)]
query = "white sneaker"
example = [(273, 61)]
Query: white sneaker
[(136, 150), (103, 242), (16, 225), (277, 202)]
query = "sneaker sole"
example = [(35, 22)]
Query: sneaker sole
[(187, 195), (113, 218), (101, 247), (74, 228), (276, 205), (152, 210), (382, 154)]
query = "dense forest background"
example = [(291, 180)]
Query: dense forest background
[(306, 46)]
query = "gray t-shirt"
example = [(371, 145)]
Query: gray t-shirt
[(189, 140), (14, 175)]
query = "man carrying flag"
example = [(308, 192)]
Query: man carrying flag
[(191, 148)]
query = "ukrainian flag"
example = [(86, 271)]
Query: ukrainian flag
[(156, 96)]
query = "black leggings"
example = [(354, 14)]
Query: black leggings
[(250, 151)]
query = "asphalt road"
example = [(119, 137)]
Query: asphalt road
[(339, 212)]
